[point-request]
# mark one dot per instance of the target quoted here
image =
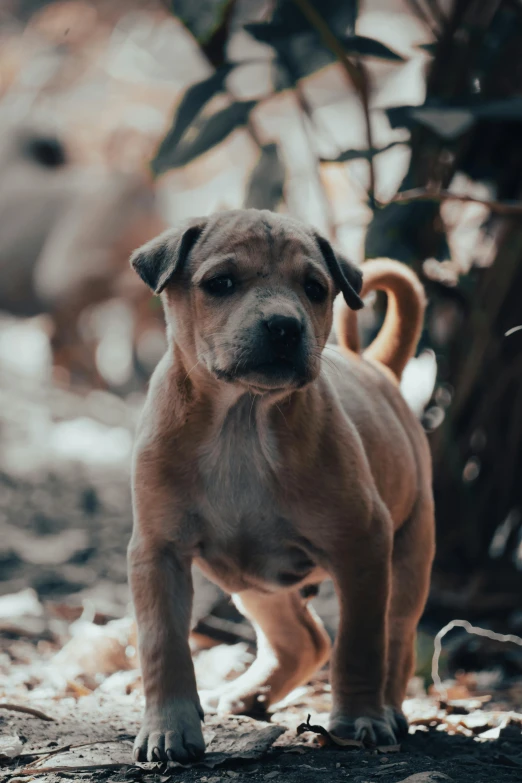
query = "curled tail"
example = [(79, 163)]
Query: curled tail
[(397, 340)]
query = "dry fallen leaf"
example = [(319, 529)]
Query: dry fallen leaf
[(326, 737)]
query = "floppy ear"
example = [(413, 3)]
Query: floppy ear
[(346, 276), (159, 260)]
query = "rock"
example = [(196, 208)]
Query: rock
[(10, 746), (238, 737)]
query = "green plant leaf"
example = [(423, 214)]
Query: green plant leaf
[(213, 131), (451, 121), (363, 46), (347, 155), (201, 17), (189, 107)]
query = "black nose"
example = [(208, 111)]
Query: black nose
[(285, 331)]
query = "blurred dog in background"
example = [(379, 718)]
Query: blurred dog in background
[(66, 232)]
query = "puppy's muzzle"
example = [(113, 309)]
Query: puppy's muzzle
[(284, 334), (278, 354)]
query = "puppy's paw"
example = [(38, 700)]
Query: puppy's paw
[(171, 733), (370, 730), (398, 721)]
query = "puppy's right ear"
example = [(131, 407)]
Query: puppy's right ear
[(159, 260)]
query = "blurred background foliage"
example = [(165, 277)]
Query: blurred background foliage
[(393, 126)]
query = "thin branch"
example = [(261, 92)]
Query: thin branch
[(356, 73), (34, 771), (306, 110), (472, 629), (26, 710), (45, 755), (421, 14), (436, 12), (425, 194)]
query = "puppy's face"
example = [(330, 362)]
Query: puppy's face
[(253, 301), (261, 301)]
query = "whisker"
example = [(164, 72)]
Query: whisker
[(283, 415), (191, 369), (250, 411)]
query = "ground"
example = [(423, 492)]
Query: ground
[(103, 724), (67, 646)]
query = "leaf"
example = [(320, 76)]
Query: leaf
[(288, 20), (340, 16), (214, 131), (507, 109), (450, 122), (353, 10), (361, 45), (347, 155), (329, 738), (446, 121), (265, 187), (399, 116), (264, 32), (189, 107), (431, 48), (304, 53), (201, 17), (299, 46), (402, 231)]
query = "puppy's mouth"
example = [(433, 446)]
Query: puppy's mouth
[(279, 366), (269, 374)]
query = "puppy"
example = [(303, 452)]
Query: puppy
[(66, 233), (274, 462)]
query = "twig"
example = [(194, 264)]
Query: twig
[(421, 14), (424, 194), (305, 108), (356, 73), (437, 12), (437, 645), (46, 754), (28, 771), (27, 710)]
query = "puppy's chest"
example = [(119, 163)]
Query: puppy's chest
[(237, 479), (246, 527)]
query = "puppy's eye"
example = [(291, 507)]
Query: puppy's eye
[(315, 291), (222, 285)]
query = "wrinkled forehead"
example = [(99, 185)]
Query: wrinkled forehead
[(255, 237)]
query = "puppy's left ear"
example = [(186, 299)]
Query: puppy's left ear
[(347, 277), (159, 260)]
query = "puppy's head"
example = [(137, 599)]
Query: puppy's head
[(249, 295)]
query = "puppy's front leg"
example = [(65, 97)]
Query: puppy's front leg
[(360, 567), (162, 591)]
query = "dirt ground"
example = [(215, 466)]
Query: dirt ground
[(246, 750), (67, 646)]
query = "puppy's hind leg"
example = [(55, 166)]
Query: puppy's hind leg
[(413, 550), (292, 644)]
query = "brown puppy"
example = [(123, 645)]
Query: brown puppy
[(274, 463)]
